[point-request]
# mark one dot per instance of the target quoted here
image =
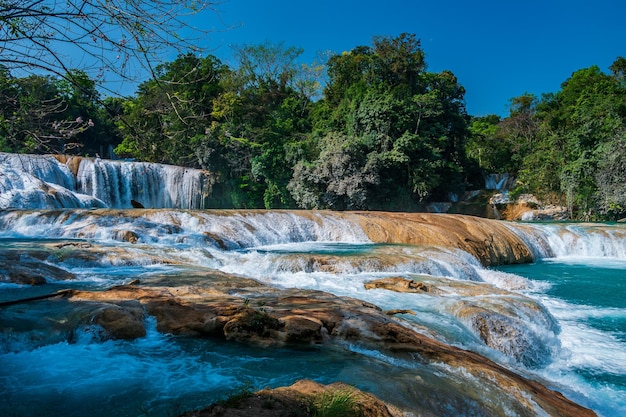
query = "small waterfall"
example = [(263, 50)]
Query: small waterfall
[(513, 325), (43, 167), (574, 240), (75, 182), (499, 182)]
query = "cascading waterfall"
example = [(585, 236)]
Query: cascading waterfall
[(152, 185), (498, 182), (578, 240), (46, 181), (500, 313)]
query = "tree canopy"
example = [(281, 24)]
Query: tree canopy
[(370, 129), (566, 147)]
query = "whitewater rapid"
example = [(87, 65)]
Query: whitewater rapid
[(527, 329)]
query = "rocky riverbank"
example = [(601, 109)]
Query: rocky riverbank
[(244, 311)]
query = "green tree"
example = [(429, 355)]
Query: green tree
[(171, 116), (410, 126), (486, 147), (341, 179), (39, 115), (574, 133), (262, 120), (611, 178)]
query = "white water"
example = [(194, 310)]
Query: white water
[(498, 182), (549, 336), (41, 181)]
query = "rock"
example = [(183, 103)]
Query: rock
[(547, 213), (271, 317), (126, 236), (305, 398), (26, 269), (254, 326), (26, 277), (490, 241), (124, 321), (399, 311), (302, 329), (216, 239), (398, 284)]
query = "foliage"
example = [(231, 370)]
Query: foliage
[(577, 136), (610, 178), (48, 114), (336, 403), (170, 118), (261, 120), (118, 37), (383, 134), (393, 135)]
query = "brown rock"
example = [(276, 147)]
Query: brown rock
[(121, 321), (490, 241), (28, 269), (398, 284), (289, 316), (126, 236), (302, 329), (305, 398)]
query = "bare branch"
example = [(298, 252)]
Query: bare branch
[(121, 40)]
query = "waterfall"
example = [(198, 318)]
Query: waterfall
[(46, 181), (574, 240), (499, 182), (455, 298)]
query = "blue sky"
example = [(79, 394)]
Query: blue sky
[(497, 49)]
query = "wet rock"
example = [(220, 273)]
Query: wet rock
[(126, 236), (519, 328), (254, 326), (399, 311), (490, 241), (25, 277), (25, 269), (271, 317), (398, 284), (304, 398), (213, 237), (124, 321), (302, 329)]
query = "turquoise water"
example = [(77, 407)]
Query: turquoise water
[(588, 298), (582, 281), (43, 367)]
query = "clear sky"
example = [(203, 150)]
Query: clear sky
[(497, 49)]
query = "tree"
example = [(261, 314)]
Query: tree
[(39, 114), (169, 119), (394, 131), (123, 38), (341, 179), (261, 117), (573, 145), (618, 69), (611, 178), (485, 147)]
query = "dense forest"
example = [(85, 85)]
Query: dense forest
[(368, 129)]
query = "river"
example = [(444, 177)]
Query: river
[(574, 341)]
